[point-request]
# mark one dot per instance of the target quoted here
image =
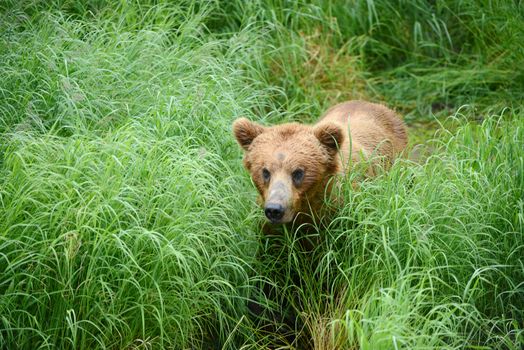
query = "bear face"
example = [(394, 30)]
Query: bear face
[(290, 164)]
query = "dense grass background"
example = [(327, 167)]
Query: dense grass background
[(127, 221)]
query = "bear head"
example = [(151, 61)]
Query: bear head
[(290, 164)]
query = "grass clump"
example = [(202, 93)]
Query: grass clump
[(423, 57), (100, 247), (439, 243), (127, 221)]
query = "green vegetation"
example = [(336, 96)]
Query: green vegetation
[(127, 220)]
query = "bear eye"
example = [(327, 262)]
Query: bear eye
[(297, 176), (266, 175)]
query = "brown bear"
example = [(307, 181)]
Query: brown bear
[(292, 164)]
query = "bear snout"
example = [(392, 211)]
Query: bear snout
[(274, 212)]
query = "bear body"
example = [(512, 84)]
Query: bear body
[(292, 164)]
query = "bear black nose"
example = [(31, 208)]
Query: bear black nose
[(274, 211)]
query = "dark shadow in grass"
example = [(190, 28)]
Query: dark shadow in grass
[(287, 265), (275, 304)]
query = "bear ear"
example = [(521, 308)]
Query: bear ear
[(329, 135), (246, 131)]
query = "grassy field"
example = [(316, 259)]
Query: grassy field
[(128, 222)]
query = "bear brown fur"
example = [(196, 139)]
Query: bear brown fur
[(291, 164)]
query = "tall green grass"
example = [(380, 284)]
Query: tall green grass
[(127, 221)]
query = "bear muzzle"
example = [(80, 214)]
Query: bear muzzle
[(277, 206)]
